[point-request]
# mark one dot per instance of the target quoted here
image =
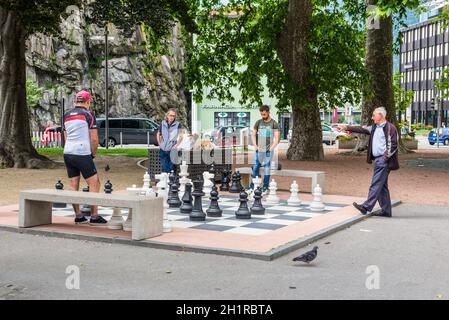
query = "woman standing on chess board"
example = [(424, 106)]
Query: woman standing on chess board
[(168, 136)]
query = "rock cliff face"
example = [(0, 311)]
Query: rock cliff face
[(138, 86)]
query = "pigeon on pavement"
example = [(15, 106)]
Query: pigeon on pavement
[(309, 256)]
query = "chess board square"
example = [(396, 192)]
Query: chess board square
[(248, 231), (185, 224), (291, 217), (176, 216), (253, 217), (331, 208), (303, 214), (285, 208), (212, 227), (260, 225), (275, 221), (336, 205), (229, 222)]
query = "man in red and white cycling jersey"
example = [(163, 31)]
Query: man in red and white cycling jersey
[(81, 142)]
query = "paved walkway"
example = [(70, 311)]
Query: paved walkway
[(408, 251)]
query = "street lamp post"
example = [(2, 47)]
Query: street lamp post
[(106, 96)]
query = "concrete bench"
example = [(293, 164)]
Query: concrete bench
[(35, 208), (316, 176)]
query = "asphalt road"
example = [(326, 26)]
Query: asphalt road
[(404, 257)]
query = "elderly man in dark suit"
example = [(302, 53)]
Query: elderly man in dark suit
[(383, 151)]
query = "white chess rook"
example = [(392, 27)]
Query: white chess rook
[(317, 204), (272, 196), (294, 198)]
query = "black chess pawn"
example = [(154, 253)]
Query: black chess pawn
[(214, 209), (235, 188), (257, 207), (59, 186), (243, 211), (108, 187), (187, 199), (239, 180), (197, 213), (85, 209), (225, 180), (173, 196)]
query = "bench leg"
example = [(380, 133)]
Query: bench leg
[(34, 213), (147, 220), (318, 179)]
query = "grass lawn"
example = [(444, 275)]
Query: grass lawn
[(135, 153)]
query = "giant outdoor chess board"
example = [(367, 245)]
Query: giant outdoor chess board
[(275, 217)]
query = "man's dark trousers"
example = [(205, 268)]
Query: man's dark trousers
[(378, 190)]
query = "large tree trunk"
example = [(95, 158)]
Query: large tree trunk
[(292, 49), (379, 64), (15, 138)]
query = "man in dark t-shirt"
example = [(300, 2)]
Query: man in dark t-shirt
[(266, 136)]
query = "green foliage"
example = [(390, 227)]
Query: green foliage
[(34, 93), (40, 16), (402, 98), (237, 47)]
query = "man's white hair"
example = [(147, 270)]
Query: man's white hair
[(382, 111)]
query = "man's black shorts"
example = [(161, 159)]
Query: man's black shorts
[(76, 164)]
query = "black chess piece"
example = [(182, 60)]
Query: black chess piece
[(225, 180), (197, 213), (239, 180), (235, 188), (243, 211), (59, 186), (108, 187), (173, 196), (257, 207), (187, 199), (85, 209), (214, 209)]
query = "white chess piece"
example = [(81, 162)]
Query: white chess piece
[(272, 196), (184, 180), (127, 225), (256, 182), (146, 181), (207, 188), (116, 221), (316, 204), (162, 191), (294, 198)]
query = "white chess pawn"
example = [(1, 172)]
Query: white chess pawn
[(184, 167), (116, 221), (316, 204), (207, 188), (294, 198), (146, 181), (272, 196)]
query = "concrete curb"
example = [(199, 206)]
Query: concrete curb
[(267, 256)]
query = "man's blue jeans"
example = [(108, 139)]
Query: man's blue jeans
[(263, 158), (167, 165)]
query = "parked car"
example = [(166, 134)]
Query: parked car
[(443, 136), (46, 136), (330, 135), (134, 131)]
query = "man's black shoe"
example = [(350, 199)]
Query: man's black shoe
[(382, 214), (359, 207)]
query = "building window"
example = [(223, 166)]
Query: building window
[(223, 119)]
